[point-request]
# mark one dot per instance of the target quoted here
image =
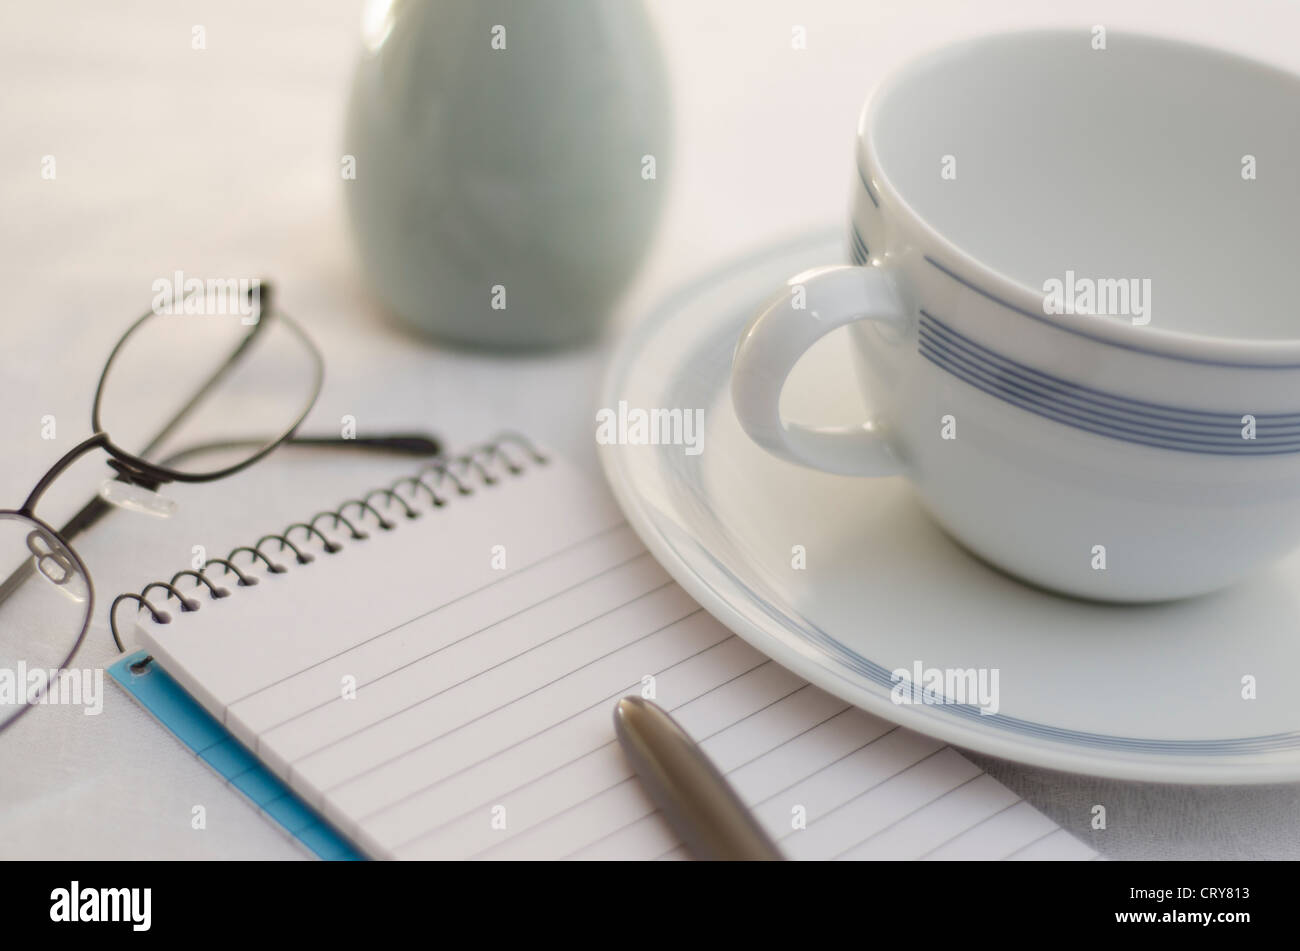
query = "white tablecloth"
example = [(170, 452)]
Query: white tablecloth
[(226, 161)]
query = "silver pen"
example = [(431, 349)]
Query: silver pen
[(696, 799)]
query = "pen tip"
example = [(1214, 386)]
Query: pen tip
[(627, 709)]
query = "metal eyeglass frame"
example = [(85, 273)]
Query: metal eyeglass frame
[(135, 469)]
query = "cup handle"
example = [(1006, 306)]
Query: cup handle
[(812, 305)]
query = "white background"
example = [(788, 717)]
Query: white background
[(226, 161)]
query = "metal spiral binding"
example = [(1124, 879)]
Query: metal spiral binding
[(483, 466)]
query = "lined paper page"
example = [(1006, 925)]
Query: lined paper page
[(446, 690)]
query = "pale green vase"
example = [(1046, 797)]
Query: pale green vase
[(504, 197)]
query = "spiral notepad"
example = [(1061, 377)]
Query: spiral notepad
[(432, 668)]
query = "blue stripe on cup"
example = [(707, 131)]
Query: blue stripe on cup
[(862, 175), (1105, 414), (857, 247)]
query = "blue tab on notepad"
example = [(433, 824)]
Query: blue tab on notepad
[(211, 742)]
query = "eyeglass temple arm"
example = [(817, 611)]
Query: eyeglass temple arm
[(403, 444)]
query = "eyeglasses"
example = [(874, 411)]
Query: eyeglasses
[(223, 391)]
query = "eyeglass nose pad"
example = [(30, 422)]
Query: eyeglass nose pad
[(55, 566), (137, 498)]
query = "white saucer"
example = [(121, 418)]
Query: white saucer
[(1148, 693)]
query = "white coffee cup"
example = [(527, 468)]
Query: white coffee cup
[(1142, 445)]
